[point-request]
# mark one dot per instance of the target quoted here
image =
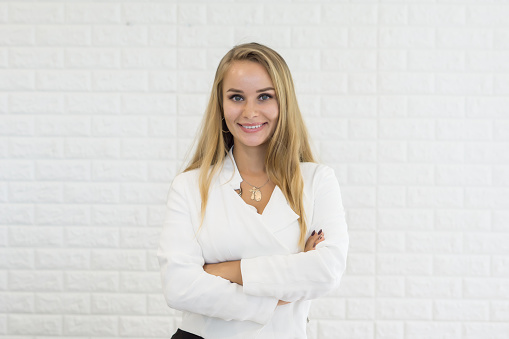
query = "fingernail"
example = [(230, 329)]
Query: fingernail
[(320, 232), (313, 233)]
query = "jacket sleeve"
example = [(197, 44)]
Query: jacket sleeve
[(314, 273), (186, 286)]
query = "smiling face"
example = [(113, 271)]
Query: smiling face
[(251, 110)]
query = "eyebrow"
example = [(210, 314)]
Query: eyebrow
[(258, 91)]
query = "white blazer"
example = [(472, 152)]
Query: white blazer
[(273, 268)]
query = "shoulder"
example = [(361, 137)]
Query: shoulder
[(312, 171), (318, 177), (186, 180)]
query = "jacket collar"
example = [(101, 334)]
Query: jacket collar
[(230, 173)]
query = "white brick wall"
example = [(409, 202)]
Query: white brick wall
[(407, 100)]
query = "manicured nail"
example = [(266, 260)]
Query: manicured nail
[(313, 233), (320, 232)]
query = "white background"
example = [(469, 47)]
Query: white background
[(406, 100)]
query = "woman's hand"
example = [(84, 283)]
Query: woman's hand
[(314, 239)]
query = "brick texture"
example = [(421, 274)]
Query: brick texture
[(406, 100)]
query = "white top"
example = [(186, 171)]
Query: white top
[(272, 267)]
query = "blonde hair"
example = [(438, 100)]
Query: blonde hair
[(288, 146)]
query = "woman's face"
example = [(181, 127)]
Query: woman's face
[(250, 107)]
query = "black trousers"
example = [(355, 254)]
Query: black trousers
[(185, 335)]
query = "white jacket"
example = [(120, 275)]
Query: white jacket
[(267, 245)]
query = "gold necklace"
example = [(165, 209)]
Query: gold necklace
[(256, 194)]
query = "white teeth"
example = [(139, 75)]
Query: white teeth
[(252, 127)]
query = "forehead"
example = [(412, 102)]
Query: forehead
[(247, 73)]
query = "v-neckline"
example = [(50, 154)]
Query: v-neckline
[(256, 209)]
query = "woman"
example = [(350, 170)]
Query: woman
[(243, 250)]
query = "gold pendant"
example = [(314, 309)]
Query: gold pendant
[(256, 194)]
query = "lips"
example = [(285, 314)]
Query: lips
[(250, 128)]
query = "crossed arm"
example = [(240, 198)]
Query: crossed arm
[(231, 270)]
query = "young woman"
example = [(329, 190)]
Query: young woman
[(243, 250)]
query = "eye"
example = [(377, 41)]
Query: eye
[(236, 97), (264, 96)]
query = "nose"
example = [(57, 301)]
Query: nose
[(250, 110)]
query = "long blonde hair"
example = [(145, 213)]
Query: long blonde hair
[(288, 146)]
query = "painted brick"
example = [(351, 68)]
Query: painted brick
[(389, 330), (36, 103), (95, 58), (62, 259), (461, 310), (393, 14), (20, 236), (406, 309), (440, 107), (104, 237), (85, 148), (160, 35), (124, 81), (157, 13), (117, 259), (392, 151), (91, 281), (91, 325), (68, 170), (446, 15), (407, 37), (360, 309), (61, 214), (434, 287), (91, 193), (407, 83), (192, 14), (60, 35), (16, 170), (408, 219), (313, 36), (344, 329), (328, 309), (35, 324), (145, 327), (423, 329), (500, 311), (457, 265), (36, 13), (472, 330), (36, 58), (404, 264), (361, 174), (115, 215), (139, 238), (16, 35), (156, 305), (111, 36), (356, 286), (118, 304), (140, 282), (16, 303), (35, 281), (360, 264), (349, 14), (93, 13), (390, 287), (62, 303), (388, 242)]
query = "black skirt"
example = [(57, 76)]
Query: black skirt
[(185, 335)]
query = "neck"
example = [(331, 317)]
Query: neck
[(250, 160)]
